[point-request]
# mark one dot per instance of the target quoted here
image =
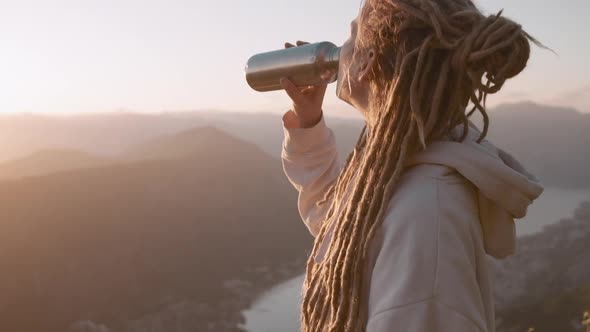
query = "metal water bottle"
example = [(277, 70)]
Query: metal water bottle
[(310, 64)]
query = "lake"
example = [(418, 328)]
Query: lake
[(278, 308)]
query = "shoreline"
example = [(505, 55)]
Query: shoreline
[(262, 280), (226, 312)]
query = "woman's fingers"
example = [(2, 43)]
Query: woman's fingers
[(298, 43), (306, 89), (300, 90), (292, 90), (296, 93)]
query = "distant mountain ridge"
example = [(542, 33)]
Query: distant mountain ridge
[(197, 140), (550, 141), (98, 134), (50, 161)]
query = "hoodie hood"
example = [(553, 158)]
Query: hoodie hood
[(505, 187)]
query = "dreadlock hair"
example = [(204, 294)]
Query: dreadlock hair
[(432, 56)]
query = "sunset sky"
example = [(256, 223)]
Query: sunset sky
[(162, 55)]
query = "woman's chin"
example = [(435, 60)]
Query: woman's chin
[(342, 95), (345, 99)]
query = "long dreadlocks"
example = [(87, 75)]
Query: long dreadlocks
[(432, 57)]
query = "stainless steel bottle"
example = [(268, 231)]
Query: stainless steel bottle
[(311, 64)]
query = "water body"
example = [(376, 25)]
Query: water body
[(278, 308)]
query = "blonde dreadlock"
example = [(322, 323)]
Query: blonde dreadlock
[(431, 59)]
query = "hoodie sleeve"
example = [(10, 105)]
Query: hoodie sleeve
[(310, 161)]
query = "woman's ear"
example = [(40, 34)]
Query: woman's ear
[(367, 63)]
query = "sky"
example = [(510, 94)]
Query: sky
[(59, 56)]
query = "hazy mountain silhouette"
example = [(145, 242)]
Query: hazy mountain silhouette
[(50, 161), (551, 141), (207, 140), (101, 134), (112, 244), (266, 130)]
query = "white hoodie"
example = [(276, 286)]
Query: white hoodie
[(427, 264)]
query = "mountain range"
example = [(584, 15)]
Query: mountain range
[(131, 222), (169, 225), (549, 140)]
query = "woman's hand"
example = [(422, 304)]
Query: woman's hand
[(307, 101)]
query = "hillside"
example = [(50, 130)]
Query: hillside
[(114, 245), (545, 284), (207, 141)]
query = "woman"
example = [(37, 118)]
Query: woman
[(403, 228)]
